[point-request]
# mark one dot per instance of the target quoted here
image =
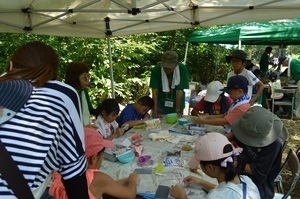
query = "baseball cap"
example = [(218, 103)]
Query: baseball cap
[(94, 142), (239, 54), (258, 127), (209, 148), (213, 91), (169, 59), (14, 94), (236, 82)]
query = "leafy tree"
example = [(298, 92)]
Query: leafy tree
[(132, 59)]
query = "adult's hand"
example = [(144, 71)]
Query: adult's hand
[(156, 115), (179, 115)]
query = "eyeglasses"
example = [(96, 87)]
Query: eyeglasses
[(86, 77)]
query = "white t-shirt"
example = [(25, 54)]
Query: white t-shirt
[(235, 191), (252, 79), (276, 85), (105, 128)]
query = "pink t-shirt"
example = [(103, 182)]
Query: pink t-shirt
[(216, 106), (236, 112)]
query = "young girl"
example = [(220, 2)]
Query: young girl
[(99, 183), (106, 120), (219, 159), (272, 85), (77, 75)]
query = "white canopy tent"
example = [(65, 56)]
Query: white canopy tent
[(107, 18)]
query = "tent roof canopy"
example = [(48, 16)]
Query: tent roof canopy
[(274, 32), (106, 18)]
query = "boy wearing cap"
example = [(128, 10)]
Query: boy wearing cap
[(218, 159), (168, 79), (214, 102), (238, 60), (258, 133), (98, 183), (237, 89)]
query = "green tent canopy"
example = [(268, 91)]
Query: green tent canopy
[(276, 32)]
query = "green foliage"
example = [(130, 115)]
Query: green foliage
[(206, 63), (132, 60)]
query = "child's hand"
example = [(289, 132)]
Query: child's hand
[(146, 117), (125, 126), (190, 180), (120, 131), (196, 119), (178, 192), (133, 178)]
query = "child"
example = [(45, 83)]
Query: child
[(137, 113), (99, 183), (106, 120), (272, 85), (219, 159), (214, 102), (238, 60), (237, 89), (258, 132)]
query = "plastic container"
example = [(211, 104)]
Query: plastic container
[(126, 158), (171, 118), (182, 121), (136, 137)]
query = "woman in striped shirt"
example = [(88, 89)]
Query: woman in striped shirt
[(46, 134)]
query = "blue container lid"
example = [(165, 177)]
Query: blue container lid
[(126, 158)]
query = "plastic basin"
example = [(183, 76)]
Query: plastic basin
[(126, 158), (171, 118)]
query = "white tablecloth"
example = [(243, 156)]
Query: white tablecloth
[(157, 151)]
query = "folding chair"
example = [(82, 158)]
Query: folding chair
[(285, 102), (285, 136), (294, 167)]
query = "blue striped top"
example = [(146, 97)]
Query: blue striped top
[(46, 135)]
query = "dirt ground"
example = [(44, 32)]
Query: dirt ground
[(294, 143)]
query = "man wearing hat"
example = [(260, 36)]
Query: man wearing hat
[(293, 67), (238, 61), (237, 87), (168, 79), (258, 132)]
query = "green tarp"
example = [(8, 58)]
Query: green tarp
[(276, 32)]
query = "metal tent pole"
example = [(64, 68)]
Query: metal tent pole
[(186, 50), (111, 69)]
